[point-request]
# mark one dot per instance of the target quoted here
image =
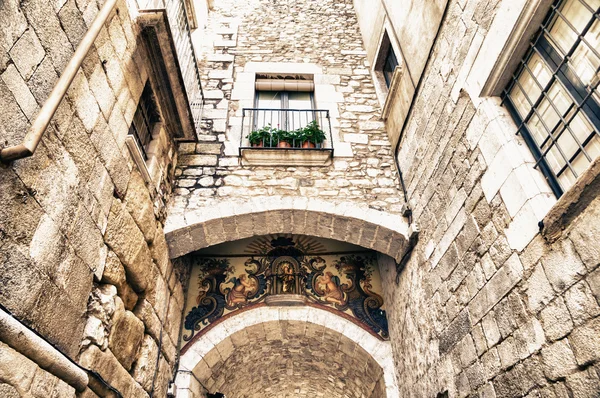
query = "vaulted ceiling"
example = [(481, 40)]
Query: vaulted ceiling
[(290, 359)]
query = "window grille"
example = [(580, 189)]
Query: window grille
[(553, 95), (146, 115)]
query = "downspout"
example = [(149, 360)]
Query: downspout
[(29, 343), (413, 230), (41, 122)]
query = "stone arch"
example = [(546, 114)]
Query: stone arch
[(380, 351), (231, 220)]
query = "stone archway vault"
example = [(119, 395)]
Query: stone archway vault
[(197, 355), (228, 221)]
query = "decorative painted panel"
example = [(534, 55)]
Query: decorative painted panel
[(324, 273)]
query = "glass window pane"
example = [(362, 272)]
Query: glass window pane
[(584, 62), (567, 143), (555, 160), (299, 100), (268, 100), (581, 127), (578, 16), (528, 83), (566, 179)]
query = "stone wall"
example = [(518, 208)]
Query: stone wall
[(83, 258), (324, 35), (487, 305)]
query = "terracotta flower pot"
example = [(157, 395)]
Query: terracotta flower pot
[(284, 144), (308, 144), (259, 145)]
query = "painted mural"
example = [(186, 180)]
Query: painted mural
[(226, 281)]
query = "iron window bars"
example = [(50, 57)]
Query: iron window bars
[(553, 95), (146, 115)]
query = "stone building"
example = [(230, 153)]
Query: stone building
[(441, 239)]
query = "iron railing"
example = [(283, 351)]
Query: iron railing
[(186, 56), (286, 121)]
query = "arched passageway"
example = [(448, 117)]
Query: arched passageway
[(289, 352), (229, 221)]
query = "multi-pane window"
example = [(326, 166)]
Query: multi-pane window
[(389, 66), (553, 95), (286, 110), (145, 117)]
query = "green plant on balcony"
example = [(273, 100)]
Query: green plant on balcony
[(263, 137), (311, 135), (285, 139)]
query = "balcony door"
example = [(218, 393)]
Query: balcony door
[(285, 110)]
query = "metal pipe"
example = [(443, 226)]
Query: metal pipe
[(26, 342), (41, 122)]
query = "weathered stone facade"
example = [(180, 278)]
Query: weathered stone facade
[(83, 259), (241, 38), (487, 306), (93, 251)]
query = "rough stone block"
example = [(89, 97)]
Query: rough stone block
[(455, 332), (125, 336), (19, 89), (145, 364), (563, 266), (539, 291), (581, 303), (105, 363), (27, 53), (556, 320), (145, 312), (496, 288), (585, 341), (127, 241), (558, 360), (139, 205), (584, 384)]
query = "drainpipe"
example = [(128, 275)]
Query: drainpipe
[(41, 122), (29, 344), (413, 229)]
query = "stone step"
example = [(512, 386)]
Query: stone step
[(220, 58)]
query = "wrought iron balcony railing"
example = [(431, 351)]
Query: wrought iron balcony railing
[(182, 38), (286, 128)]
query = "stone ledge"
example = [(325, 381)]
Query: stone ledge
[(572, 203), (286, 156)]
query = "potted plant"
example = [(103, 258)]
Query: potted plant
[(262, 137), (311, 135), (285, 138)]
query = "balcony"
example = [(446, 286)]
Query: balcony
[(166, 27), (286, 137)]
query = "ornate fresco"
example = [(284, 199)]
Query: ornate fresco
[(223, 281)]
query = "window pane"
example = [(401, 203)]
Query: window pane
[(299, 100), (268, 100), (541, 73), (584, 62), (389, 66), (578, 16)]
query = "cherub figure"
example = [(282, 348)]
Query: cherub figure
[(332, 292), (239, 293)]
